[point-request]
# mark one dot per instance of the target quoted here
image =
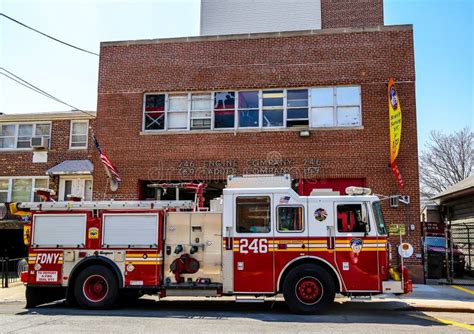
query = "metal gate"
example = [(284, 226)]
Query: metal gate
[(460, 253)]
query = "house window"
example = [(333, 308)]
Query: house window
[(154, 112), (4, 186), (224, 110), (272, 108), (201, 109), (297, 107), (21, 189), (335, 106), (18, 136), (7, 136), (79, 134), (178, 112), (248, 116)]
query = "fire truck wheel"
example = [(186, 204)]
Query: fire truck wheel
[(96, 288), (309, 289)]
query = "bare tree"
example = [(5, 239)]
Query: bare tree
[(447, 160)]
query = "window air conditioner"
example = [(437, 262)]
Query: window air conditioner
[(39, 142)]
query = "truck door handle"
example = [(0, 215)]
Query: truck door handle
[(229, 243), (330, 240)]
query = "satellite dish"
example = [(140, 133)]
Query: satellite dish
[(405, 250)]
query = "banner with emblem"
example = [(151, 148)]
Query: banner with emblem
[(395, 115)]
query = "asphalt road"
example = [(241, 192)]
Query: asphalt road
[(150, 316)]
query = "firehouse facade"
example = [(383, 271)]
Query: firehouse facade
[(311, 103)]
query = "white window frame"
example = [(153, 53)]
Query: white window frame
[(260, 109), (213, 115), (17, 127), (191, 110), (33, 185), (334, 107), (70, 135)]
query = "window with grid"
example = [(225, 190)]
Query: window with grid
[(178, 112), (335, 106), (248, 115), (272, 108), (4, 185), (18, 136), (224, 110), (297, 107), (154, 112), (79, 134), (201, 110)]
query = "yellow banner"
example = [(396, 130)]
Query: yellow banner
[(395, 120)]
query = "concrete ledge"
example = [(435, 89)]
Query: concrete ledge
[(405, 27)]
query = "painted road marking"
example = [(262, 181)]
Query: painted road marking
[(444, 321), (460, 288)]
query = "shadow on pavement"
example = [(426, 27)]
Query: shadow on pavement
[(348, 312)]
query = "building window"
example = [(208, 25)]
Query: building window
[(18, 136), (154, 112), (201, 110), (277, 108), (253, 214), (79, 134), (335, 106), (21, 189), (248, 116), (178, 112), (224, 110), (272, 108), (4, 186), (290, 219), (297, 107)]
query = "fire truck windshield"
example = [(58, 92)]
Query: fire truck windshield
[(379, 218)]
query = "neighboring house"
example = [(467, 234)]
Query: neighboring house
[(266, 89), (45, 150)]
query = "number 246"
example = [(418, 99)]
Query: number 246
[(254, 246)]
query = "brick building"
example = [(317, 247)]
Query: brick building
[(42, 150), (311, 102)]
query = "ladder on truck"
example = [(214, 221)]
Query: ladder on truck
[(106, 205)]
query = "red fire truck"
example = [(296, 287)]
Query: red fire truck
[(260, 238)]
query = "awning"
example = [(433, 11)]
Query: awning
[(72, 167)]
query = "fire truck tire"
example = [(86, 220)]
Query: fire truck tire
[(309, 289), (96, 287)]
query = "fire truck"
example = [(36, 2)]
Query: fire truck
[(259, 239)]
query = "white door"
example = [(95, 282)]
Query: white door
[(75, 186)]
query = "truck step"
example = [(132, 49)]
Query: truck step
[(248, 299), (361, 297)]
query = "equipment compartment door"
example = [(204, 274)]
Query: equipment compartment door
[(253, 237), (356, 246)]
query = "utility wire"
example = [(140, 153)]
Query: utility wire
[(34, 88), (46, 35)]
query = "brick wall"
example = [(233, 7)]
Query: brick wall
[(351, 13), (19, 163), (367, 58)]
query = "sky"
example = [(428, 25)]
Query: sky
[(443, 32)]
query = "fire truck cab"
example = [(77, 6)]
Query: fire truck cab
[(259, 239)]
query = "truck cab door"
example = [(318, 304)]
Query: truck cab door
[(356, 246), (253, 260)]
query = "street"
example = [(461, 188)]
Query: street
[(149, 316)]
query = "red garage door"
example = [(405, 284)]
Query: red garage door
[(340, 184)]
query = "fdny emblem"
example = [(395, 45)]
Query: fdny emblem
[(320, 214), (356, 245)]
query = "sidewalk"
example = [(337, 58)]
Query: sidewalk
[(435, 298)]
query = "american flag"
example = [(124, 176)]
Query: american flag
[(110, 169)]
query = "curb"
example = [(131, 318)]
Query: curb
[(435, 309)]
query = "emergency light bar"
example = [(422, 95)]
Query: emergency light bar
[(358, 191)]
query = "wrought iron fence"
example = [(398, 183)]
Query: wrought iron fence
[(11, 270)]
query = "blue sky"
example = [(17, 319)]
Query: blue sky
[(443, 33)]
